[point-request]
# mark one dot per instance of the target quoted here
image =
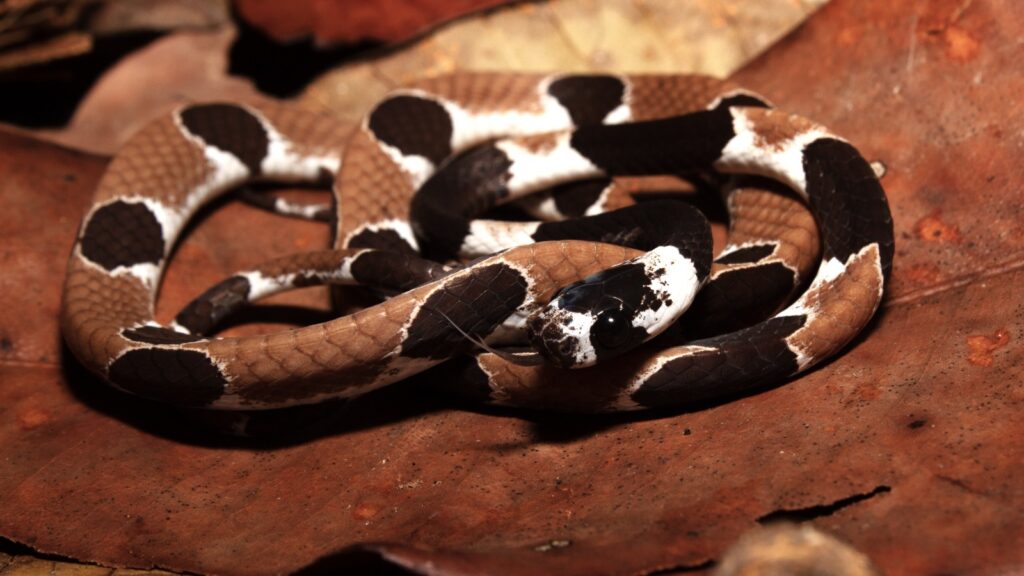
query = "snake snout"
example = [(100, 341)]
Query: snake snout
[(548, 334)]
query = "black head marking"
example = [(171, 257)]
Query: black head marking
[(123, 234), (625, 292), (158, 335), (230, 128), (588, 99), (626, 283), (848, 201), (477, 303), (201, 315), (613, 297), (414, 125), (185, 377), (739, 362)]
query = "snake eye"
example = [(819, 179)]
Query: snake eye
[(612, 328)]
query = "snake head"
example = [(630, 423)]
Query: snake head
[(583, 325), (615, 310)]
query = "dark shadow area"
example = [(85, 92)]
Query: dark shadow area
[(358, 559), (283, 70), (16, 548), (684, 569), (249, 429), (264, 195), (12, 548), (277, 314), (702, 194), (47, 95), (555, 427), (364, 559)]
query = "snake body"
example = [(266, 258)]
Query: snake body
[(586, 127)]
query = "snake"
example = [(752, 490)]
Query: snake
[(598, 315)]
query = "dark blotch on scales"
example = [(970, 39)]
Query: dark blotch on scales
[(477, 303), (381, 239), (184, 377), (414, 125), (588, 98), (230, 128), (123, 234), (755, 358)]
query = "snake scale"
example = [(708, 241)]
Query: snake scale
[(403, 182)]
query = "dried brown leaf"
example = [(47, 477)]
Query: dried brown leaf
[(117, 16), (334, 21), (63, 46), (905, 444)]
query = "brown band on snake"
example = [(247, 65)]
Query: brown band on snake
[(388, 271)]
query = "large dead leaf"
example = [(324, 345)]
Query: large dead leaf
[(907, 443), (571, 35), (332, 21)]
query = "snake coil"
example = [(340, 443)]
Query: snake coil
[(578, 301)]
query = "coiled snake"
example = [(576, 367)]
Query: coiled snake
[(553, 130)]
